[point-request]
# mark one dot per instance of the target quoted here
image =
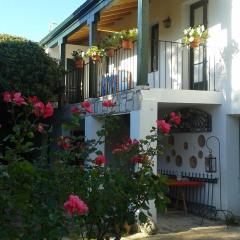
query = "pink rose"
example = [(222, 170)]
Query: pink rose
[(75, 204), (108, 103), (48, 110), (139, 159), (100, 160), (7, 97), (175, 118), (75, 110), (87, 106), (163, 126), (39, 109), (18, 99)]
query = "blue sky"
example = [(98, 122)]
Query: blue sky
[(31, 18)]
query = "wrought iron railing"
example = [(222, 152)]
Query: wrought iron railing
[(200, 200), (176, 66), (179, 67), (77, 84), (117, 73)]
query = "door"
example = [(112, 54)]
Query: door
[(198, 56), (154, 47)]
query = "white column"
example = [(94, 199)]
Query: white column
[(92, 125), (141, 122)]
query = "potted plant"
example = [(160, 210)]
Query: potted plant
[(127, 38), (95, 53), (110, 43), (78, 56), (193, 36)]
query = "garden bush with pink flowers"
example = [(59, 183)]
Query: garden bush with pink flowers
[(73, 192)]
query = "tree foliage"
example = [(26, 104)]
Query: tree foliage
[(28, 68)]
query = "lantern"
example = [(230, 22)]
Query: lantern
[(210, 163)]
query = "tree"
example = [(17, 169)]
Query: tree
[(25, 66)]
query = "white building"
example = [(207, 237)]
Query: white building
[(161, 74)]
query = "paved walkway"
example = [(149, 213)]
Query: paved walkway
[(178, 226)]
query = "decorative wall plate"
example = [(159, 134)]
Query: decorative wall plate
[(185, 145), (193, 162), (200, 154), (201, 140), (178, 160), (171, 140), (168, 159), (173, 152)]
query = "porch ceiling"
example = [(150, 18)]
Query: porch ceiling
[(108, 17)]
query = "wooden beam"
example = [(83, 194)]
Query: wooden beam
[(122, 6), (120, 10), (142, 43), (115, 16), (122, 14)]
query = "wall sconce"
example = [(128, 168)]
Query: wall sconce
[(167, 22)]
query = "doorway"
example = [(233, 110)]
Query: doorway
[(198, 56)]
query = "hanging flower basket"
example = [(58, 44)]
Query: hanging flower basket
[(127, 44), (195, 43), (79, 63), (96, 58), (110, 52)]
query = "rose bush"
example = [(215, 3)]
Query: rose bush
[(101, 199)]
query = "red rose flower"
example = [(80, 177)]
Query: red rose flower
[(109, 103), (75, 110), (75, 204), (100, 160), (87, 106), (48, 110), (163, 126), (33, 99), (175, 118)]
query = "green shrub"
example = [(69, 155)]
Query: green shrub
[(28, 68)]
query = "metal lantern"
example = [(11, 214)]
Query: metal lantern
[(167, 22), (210, 163)]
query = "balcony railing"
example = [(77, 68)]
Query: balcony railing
[(180, 67), (117, 73), (176, 67)]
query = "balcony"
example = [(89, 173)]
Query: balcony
[(174, 66)]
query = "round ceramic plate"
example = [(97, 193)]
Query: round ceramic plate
[(178, 160), (173, 152), (193, 162), (185, 145), (168, 159), (201, 140), (200, 154), (171, 140)]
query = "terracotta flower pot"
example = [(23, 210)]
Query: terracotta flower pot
[(195, 43), (96, 58), (79, 63), (127, 44), (110, 52)]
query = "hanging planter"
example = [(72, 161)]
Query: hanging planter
[(194, 36), (127, 44), (79, 63), (78, 56), (128, 37), (95, 53), (195, 43), (110, 52)]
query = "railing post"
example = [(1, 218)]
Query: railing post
[(92, 23), (62, 57), (142, 43)]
